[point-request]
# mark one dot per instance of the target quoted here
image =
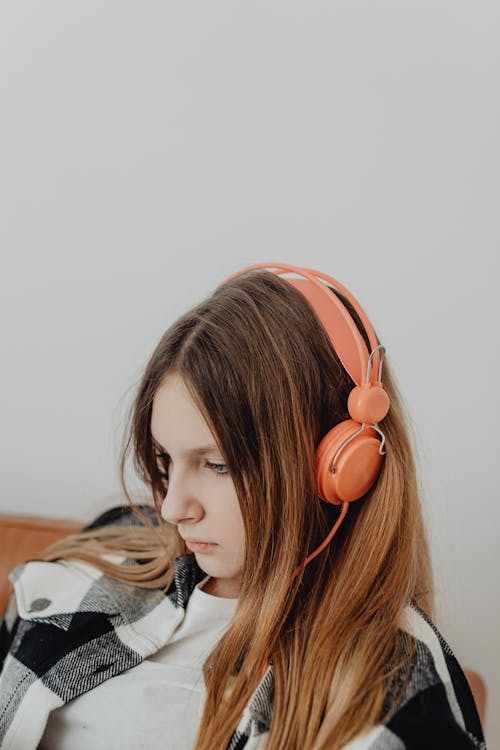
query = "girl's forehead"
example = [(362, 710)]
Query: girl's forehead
[(176, 421)]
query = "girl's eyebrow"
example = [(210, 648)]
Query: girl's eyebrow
[(199, 451)]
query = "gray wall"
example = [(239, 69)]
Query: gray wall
[(149, 149)]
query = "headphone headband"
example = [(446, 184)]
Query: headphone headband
[(334, 317)]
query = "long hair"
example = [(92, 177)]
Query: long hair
[(265, 376)]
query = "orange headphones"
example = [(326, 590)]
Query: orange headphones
[(349, 457)]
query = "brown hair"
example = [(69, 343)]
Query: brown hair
[(267, 380)]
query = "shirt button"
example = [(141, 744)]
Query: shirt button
[(38, 604)]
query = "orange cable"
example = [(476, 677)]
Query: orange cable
[(301, 567)]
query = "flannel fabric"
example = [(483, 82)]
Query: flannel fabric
[(68, 627)]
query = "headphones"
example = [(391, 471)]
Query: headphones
[(349, 457)]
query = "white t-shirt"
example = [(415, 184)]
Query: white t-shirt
[(156, 705)]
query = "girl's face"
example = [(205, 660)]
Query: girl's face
[(201, 499)]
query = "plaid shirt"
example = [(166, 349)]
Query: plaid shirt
[(68, 628)]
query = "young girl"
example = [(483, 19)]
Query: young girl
[(279, 593)]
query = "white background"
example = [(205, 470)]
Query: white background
[(150, 149)]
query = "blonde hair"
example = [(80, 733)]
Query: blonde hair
[(265, 376)]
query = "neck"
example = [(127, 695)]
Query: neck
[(222, 587)]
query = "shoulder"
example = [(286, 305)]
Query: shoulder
[(430, 703), (64, 583)]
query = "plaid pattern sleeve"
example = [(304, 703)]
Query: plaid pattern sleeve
[(68, 628), (436, 710), (118, 516)]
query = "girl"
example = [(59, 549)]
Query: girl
[(279, 595)]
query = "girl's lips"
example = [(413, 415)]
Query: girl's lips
[(199, 546)]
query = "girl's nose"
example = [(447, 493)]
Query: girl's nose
[(180, 503)]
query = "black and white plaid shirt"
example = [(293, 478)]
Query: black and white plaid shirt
[(68, 628)]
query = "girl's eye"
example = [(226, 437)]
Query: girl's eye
[(163, 461), (215, 468)]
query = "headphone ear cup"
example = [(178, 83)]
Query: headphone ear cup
[(357, 467)]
